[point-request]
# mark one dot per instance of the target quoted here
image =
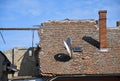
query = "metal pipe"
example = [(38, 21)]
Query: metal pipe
[(19, 28), (3, 38)]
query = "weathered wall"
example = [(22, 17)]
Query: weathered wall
[(25, 61), (1, 61), (85, 34), (3, 74)]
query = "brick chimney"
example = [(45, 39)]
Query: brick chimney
[(102, 30)]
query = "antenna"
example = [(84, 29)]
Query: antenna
[(2, 38), (68, 49), (32, 38)]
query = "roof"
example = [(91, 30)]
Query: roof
[(83, 34)]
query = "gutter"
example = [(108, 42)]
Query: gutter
[(84, 75)]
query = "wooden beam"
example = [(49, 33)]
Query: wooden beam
[(19, 28)]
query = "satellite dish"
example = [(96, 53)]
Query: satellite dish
[(68, 49)]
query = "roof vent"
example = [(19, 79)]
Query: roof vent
[(78, 49)]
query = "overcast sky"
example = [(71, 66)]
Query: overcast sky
[(26, 13)]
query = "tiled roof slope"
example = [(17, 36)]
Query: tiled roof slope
[(84, 33)]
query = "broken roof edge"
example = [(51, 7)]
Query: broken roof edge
[(69, 21)]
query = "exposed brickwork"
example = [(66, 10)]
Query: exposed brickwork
[(83, 33), (102, 26)]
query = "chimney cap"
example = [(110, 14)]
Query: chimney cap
[(102, 11)]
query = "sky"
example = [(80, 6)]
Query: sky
[(27, 13)]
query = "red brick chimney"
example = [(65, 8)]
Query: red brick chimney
[(102, 29)]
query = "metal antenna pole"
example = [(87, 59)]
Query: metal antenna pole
[(32, 38), (2, 38)]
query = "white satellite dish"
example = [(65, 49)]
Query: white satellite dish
[(68, 49)]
